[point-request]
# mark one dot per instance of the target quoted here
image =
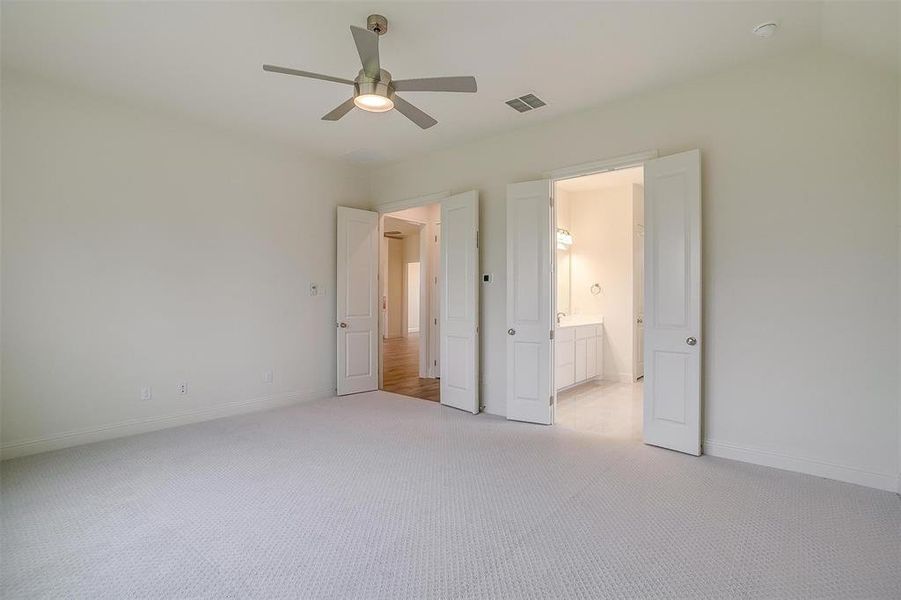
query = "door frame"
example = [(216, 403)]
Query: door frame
[(383, 210), (637, 305), (606, 165)]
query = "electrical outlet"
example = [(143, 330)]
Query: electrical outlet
[(267, 377), (146, 393), (183, 388)]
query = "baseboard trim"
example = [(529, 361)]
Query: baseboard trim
[(808, 466), (146, 424), (617, 377)]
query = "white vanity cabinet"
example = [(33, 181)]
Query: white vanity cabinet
[(578, 353)]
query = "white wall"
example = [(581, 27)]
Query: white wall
[(602, 253), (800, 185), (142, 249), (562, 208)]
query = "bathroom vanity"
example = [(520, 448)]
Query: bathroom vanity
[(578, 350)]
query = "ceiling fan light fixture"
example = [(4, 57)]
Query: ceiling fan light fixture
[(374, 96), (373, 103)]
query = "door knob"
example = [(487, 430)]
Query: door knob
[(342, 325), (511, 332), (691, 341)]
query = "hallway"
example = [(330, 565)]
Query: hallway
[(401, 369)]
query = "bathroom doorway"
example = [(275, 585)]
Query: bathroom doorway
[(666, 314), (599, 333)]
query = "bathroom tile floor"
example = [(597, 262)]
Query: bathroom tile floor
[(608, 408)]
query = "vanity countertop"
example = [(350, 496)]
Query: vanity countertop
[(577, 320)]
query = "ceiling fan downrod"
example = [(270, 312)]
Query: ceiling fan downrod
[(377, 24)]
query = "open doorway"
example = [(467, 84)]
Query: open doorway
[(447, 227), (667, 315), (598, 329), (410, 302)]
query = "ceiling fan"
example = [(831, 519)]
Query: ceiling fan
[(374, 90)]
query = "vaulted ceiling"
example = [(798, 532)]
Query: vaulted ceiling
[(203, 59)]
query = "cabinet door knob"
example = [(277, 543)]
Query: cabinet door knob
[(511, 331), (342, 325), (691, 341)]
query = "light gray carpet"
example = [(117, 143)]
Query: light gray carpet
[(379, 496)]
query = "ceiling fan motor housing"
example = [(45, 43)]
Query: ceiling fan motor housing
[(375, 88), (377, 24)]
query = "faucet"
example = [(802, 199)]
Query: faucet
[(560, 316)]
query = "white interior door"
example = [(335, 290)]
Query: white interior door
[(435, 301), (639, 301), (460, 301), (672, 316), (529, 302), (357, 300)]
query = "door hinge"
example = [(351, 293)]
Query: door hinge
[(477, 239), (552, 334), (551, 403), (552, 201), (436, 321)]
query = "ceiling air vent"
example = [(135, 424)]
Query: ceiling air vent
[(525, 103)]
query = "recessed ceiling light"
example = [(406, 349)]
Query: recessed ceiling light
[(765, 30)]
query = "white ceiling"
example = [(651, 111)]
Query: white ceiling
[(600, 181), (203, 59), (404, 227)]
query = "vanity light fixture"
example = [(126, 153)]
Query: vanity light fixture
[(564, 239)]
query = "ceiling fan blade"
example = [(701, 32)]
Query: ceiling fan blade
[(368, 47), (437, 84), (287, 71), (413, 113), (339, 111)]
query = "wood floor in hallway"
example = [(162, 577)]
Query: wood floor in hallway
[(401, 369)]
